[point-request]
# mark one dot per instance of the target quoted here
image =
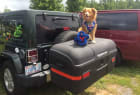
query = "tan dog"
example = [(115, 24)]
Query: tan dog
[(89, 25)]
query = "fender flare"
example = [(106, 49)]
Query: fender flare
[(15, 59)]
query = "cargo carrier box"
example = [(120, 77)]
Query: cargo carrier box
[(75, 68)]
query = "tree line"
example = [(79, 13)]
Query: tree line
[(78, 5)]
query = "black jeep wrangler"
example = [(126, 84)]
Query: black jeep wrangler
[(37, 46)]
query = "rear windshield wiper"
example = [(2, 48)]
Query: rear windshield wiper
[(59, 18), (44, 16)]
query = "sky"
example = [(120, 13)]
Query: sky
[(16, 4)]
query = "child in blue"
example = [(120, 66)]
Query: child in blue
[(81, 38)]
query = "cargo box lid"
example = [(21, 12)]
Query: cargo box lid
[(79, 54)]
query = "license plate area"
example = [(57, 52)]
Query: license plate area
[(31, 69)]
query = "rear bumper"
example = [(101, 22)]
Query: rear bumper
[(76, 84), (37, 79)]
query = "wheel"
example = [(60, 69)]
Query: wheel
[(118, 59), (9, 80), (65, 36)]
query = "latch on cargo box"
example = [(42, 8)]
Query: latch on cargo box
[(102, 54)]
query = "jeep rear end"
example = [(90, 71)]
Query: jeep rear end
[(43, 27)]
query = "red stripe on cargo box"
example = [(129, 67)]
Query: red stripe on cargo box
[(66, 75)]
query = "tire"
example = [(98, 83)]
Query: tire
[(65, 36), (118, 59), (9, 80)]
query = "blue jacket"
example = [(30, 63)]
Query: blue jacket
[(90, 26)]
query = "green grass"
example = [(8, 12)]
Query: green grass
[(121, 76)]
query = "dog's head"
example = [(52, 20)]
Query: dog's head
[(89, 14)]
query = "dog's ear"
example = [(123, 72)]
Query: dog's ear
[(94, 10)]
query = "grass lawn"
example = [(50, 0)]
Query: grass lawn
[(123, 80)]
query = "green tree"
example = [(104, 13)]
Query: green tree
[(78, 5), (130, 4), (75, 5), (137, 4), (111, 4), (7, 10), (53, 5), (114, 4), (92, 4)]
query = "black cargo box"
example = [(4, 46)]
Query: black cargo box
[(76, 68)]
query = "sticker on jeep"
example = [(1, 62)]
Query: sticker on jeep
[(18, 31)]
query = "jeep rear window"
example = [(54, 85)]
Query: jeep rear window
[(117, 21), (49, 27)]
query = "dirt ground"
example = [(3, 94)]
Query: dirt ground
[(111, 90)]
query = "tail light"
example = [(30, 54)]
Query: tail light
[(87, 74), (113, 59), (66, 28), (32, 56)]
